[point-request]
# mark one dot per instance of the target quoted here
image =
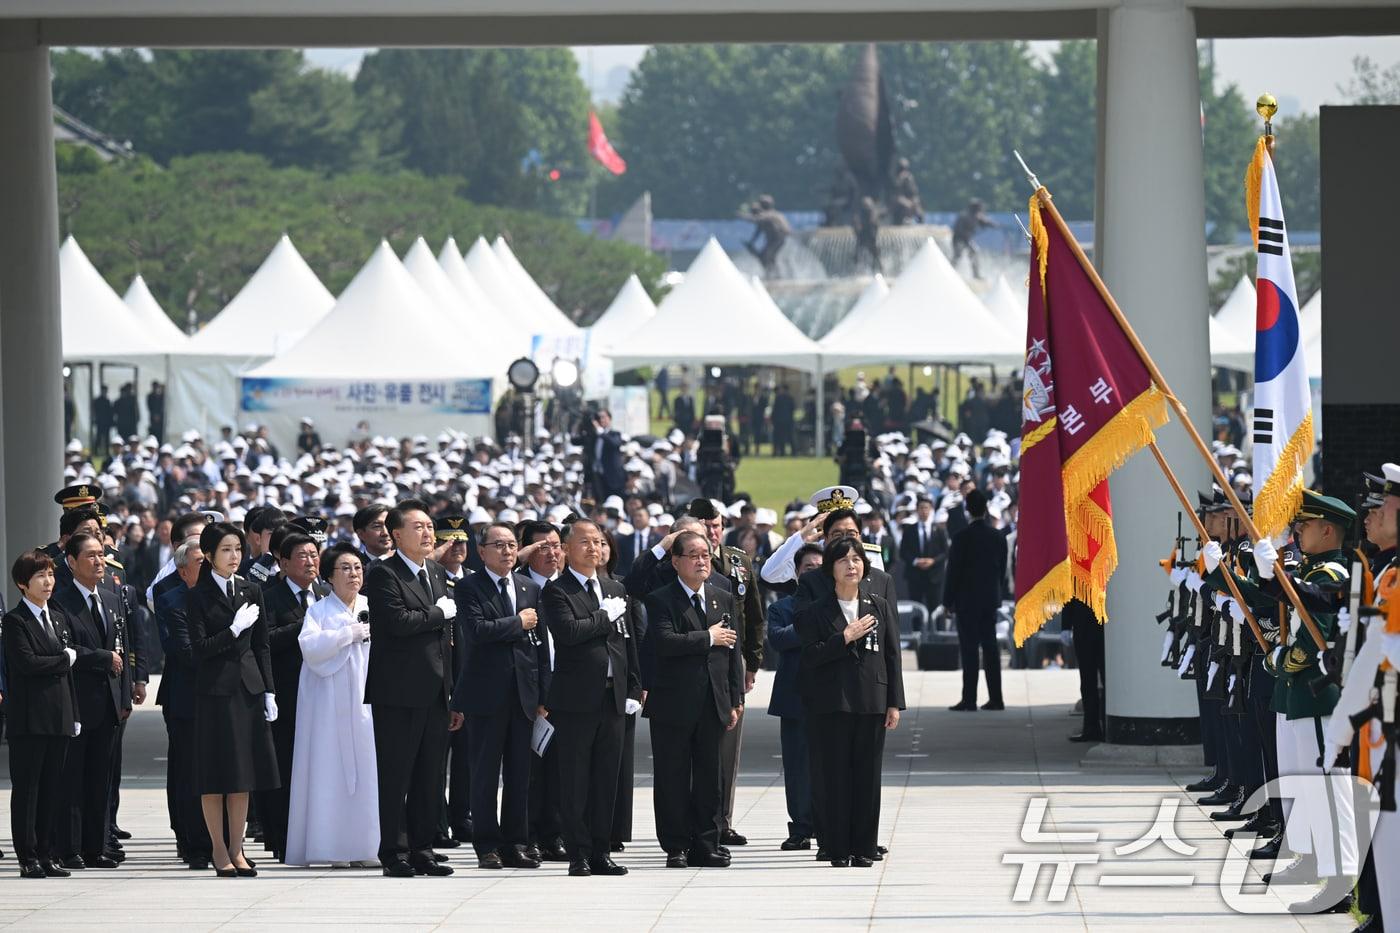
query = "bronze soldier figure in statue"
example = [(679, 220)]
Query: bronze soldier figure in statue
[(969, 223), (866, 225), (772, 226), (905, 205)]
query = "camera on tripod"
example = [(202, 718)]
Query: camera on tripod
[(713, 469), (853, 458)]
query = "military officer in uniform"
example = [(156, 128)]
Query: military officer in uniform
[(453, 532), (734, 563)]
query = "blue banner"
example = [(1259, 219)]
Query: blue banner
[(404, 396)]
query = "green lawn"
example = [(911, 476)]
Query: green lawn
[(775, 481)]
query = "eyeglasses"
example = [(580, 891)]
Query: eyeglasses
[(697, 555), (502, 546), (350, 570)]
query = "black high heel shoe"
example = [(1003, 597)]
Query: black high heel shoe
[(249, 872), (226, 872)]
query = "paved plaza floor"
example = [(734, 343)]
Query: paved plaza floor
[(958, 788)]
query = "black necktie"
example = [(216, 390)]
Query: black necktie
[(229, 589), (423, 581), (505, 595), (48, 626), (695, 601), (305, 598), (592, 594), (97, 616)]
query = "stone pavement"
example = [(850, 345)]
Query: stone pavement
[(957, 788)]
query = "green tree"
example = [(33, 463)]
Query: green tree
[(1231, 128), (1065, 150), (1297, 160), (1371, 84)]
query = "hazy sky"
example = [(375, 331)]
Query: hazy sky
[(1301, 73)]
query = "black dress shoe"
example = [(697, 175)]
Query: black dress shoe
[(1210, 783), (553, 852), (445, 842), (878, 856), (432, 868), (882, 850), (605, 866), (840, 863), (617, 847), (198, 864), (959, 708), (578, 868), (730, 838), (54, 870), (398, 868), (861, 861), (533, 851), (115, 855), (792, 843), (462, 833), (1371, 924), (1223, 797), (1234, 811), (724, 850), (226, 872), (1330, 900), (995, 705), (245, 872), (1088, 735), (31, 870), (514, 858), (821, 854), (489, 860), (119, 832), (98, 861), (1270, 849), (677, 860), (73, 862), (439, 857), (708, 860)]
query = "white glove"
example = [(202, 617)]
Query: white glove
[(77, 729), (1278, 657), (614, 606), (1167, 640), (1212, 554), (1343, 620), (359, 631), (1186, 660), (244, 618), (1219, 601), (1233, 611), (1193, 581), (1178, 576), (1265, 556), (448, 606), (633, 707), (72, 656), (1329, 756), (1211, 672), (1230, 684), (270, 707)]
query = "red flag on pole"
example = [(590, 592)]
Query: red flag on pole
[(1089, 403), (601, 149)]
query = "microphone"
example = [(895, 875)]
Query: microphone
[(363, 617)]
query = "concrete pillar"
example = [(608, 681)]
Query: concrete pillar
[(1152, 256), (31, 352)]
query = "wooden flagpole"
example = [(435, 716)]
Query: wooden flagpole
[(1043, 196)]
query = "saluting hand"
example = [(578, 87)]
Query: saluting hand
[(858, 629)]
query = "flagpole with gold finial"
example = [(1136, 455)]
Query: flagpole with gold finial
[(1042, 195), (1266, 106)]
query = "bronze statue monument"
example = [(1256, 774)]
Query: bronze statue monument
[(771, 225)]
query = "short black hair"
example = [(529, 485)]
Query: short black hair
[(28, 565), (181, 527), (838, 549), (510, 529), (839, 515), (269, 519), (333, 553), (976, 502), (532, 531), (803, 551), (366, 516), (293, 540), (394, 520), (69, 521), (74, 545), (213, 535)]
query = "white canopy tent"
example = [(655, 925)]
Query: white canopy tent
[(929, 316), (495, 344), (475, 297), (631, 308), (545, 310), (486, 270), (1228, 349), (153, 318), (1310, 319), (102, 335), (1008, 306), (715, 316), (1237, 314), (384, 336), (276, 306)]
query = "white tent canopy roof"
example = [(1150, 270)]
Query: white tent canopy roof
[(96, 324), (1008, 306), (423, 266), (486, 269), (152, 318), (1229, 349), (545, 310), (478, 302), (715, 316), (1237, 314), (630, 309), (1310, 318), (929, 316), (494, 346), (382, 326), (278, 305)]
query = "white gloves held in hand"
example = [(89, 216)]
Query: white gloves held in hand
[(244, 618), (1265, 557), (614, 606), (1193, 581), (1212, 555), (72, 656), (270, 707), (448, 606), (1343, 620), (632, 707)]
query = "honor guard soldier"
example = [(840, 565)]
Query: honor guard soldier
[(453, 533), (263, 569), (734, 563), (1320, 827)]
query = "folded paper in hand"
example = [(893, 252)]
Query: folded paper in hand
[(541, 735)]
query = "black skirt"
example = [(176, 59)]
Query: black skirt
[(233, 745)]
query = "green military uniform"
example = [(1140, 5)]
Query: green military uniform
[(735, 564)]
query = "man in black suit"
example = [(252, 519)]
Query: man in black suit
[(103, 683), (176, 701), (972, 591), (408, 685), (500, 689), (642, 539), (602, 457), (594, 686), (286, 598), (42, 708), (683, 411), (922, 551), (697, 695), (541, 557)]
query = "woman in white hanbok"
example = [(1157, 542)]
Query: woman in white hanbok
[(334, 816)]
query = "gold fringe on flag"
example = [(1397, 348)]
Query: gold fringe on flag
[(1253, 179), (1043, 601), (1281, 496)]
